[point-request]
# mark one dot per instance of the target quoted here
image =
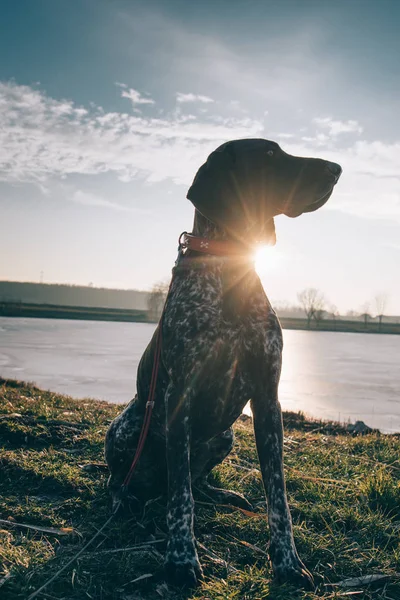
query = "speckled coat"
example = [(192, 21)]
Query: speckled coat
[(221, 347)]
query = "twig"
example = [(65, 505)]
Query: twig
[(247, 545), (145, 576), (94, 467), (322, 479), (374, 461), (128, 548), (54, 531), (365, 580), (244, 511), (10, 416), (216, 559), (73, 559)]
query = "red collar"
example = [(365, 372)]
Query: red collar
[(215, 247)]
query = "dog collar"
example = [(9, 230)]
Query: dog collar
[(214, 247)]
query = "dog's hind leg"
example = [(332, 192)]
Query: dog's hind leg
[(208, 456), (149, 479)]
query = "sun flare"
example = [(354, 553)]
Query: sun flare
[(266, 258)]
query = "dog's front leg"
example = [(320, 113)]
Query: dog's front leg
[(181, 561), (268, 430)]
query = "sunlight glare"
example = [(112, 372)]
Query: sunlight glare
[(266, 258)]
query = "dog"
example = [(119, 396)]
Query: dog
[(221, 346)]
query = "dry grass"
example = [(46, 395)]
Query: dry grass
[(344, 493)]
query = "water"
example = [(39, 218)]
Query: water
[(338, 376)]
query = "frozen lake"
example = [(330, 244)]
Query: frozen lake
[(330, 375)]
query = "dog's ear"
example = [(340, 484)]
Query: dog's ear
[(209, 190)]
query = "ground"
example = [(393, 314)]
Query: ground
[(344, 494)]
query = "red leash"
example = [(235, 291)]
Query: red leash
[(150, 400), (149, 409), (147, 415), (191, 242)]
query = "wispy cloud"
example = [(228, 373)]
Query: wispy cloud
[(337, 127), (89, 199), (44, 139), (41, 138), (193, 98), (133, 95)]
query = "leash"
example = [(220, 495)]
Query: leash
[(139, 449), (185, 241), (149, 408), (142, 438)]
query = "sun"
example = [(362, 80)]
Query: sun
[(266, 258)]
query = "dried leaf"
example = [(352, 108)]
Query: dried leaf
[(249, 513)]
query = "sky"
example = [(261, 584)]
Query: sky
[(107, 109)]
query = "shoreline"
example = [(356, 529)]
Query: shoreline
[(82, 313)]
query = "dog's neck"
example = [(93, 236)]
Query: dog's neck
[(238, 276), (203, 227)]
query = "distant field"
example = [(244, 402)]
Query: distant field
[(55, 311), (86, 313), (341, 325)]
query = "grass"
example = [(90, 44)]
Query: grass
[(344, 494)]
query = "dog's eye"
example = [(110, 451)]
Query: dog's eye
[(270, 152)]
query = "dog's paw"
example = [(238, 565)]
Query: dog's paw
[(295, 574), (183, 574)]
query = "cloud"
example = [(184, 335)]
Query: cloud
[(41, 137), (285, 136), (133, 95), (89, 199), (337, 127), (193, 98)]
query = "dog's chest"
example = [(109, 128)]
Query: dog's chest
[(220, 332)]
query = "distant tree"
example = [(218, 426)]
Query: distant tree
[(156, 300), (313, 303), (319, 314), (380, 305), (334, 313), (365, 313)]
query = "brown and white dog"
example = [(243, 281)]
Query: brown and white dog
[(221, 346)]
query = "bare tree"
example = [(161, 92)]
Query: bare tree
[(333, 310), (156, 300), (313, 303), (380, 305), (319, 314), (365, 313)]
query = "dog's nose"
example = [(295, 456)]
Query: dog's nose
[(334, 168)]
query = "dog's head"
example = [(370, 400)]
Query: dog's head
[(245, 183)]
